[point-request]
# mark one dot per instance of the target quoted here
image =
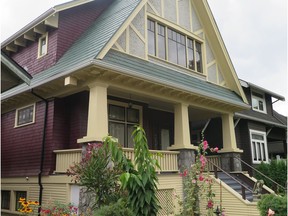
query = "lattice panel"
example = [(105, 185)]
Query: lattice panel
[(165, 197)]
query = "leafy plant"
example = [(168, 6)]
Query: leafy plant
[(58, 208), (273, 202), (277, 171), (98, 174), (141, 182), (116, 209)]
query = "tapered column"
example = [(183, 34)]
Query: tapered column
[(97, 125), (181, 128), (228, 132)]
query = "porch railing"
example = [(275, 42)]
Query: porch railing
[(213, 160), (168, 160)]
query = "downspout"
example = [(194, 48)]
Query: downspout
[(42, 148)]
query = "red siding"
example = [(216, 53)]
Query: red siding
[(21, 147), (72, 23)]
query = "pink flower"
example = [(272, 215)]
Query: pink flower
[(201, 178), (270, 212), (210, 204), (215, 149), (203, 160), (185, 172), (205, 145), (194, 181)]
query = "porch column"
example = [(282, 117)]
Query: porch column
[(182, 137), (229, 152), (228, 132), (97, 125)]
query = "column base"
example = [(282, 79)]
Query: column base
[(230, 163)]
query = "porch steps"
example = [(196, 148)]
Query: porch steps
[(235, 185)]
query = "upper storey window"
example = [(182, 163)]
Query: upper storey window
[(168, 44), (42, 45), (258, 102)]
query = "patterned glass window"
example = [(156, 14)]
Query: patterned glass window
[(25, 115)]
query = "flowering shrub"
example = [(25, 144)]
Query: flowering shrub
[(59, 209), (198, 184), (28, 207), (271, 204)]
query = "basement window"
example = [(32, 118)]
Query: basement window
[(5, 199), (25, 115), (42, 45)]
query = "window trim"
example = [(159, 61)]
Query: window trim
[(258, 99), (186, 34), (17, 113), (44, 36), (261, 133)]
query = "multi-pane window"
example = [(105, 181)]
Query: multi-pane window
[(18, 195), (25, 115), (258, 146), (5, 199), (42, 45), (168, 44), (258, 102), (121, 123)]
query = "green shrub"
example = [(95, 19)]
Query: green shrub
[(277, 171), (116, 209), (276, 203)]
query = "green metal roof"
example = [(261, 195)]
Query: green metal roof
[(87, 47), (157, 73)]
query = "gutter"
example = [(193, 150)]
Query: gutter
[(260, 120), (42, 148)]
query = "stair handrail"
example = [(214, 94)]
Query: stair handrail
[(260, 173), (243, 187)]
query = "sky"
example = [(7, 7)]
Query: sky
[(254, 33)]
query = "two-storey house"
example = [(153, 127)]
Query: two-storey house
[(99, 67)]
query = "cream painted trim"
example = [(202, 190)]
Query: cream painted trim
[(127, 39), (174, 26), (145, 34), (70, 4), (153, 8), (16, 116), (211, 63), (204, 56), (177, 12), (190, 16), (119, 47), (45, 36), (137, 32), (199, 31), (118, 33)]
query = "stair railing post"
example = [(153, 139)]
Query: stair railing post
[(243, 192)]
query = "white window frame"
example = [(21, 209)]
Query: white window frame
[(255, 147), (43, 37), (13, 200), (258, 99), (17, 114)]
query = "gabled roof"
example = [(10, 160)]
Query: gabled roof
[(12, 74), (246, 84), (87, 47)]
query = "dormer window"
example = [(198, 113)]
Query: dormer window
[(258, 102), (173, 46), (42, 45)]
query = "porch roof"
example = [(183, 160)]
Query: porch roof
[(163, 75)]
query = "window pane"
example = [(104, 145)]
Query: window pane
[(181, 54), (172, 51), (257, 137), (191, 64), (198, 57), (151, 37), (117, 130), (133, 115), (254, 151), (43, 46), (165, 139), (130, 143), (116, 113), (25, 115), (258, 152), (5, 199), (161, 42), (263, 152), (18, 195), (261, 107), (255, 103)]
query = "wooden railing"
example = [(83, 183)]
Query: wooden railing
[(168, 160), (213, 160)]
